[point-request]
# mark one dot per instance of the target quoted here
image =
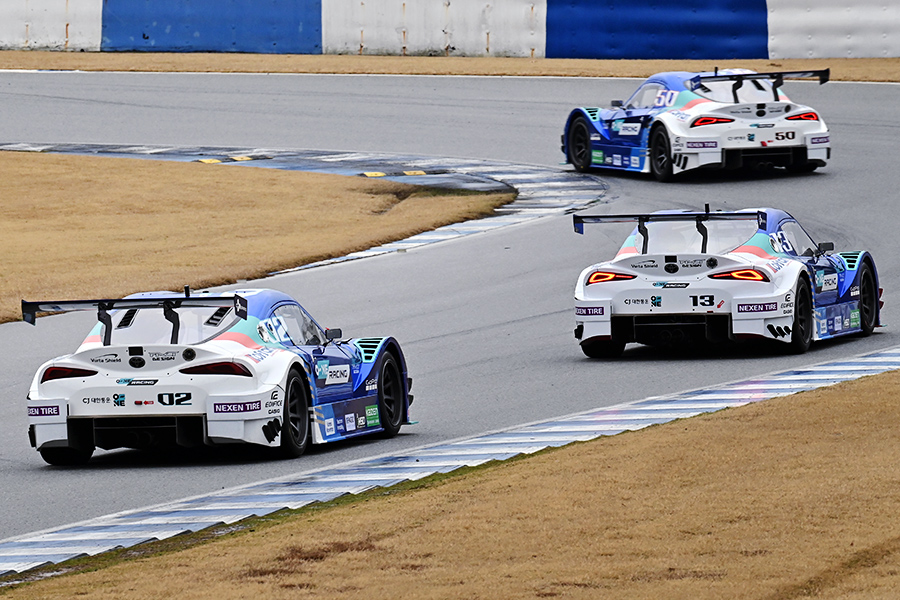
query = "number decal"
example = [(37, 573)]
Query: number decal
[(704, 300), (665, 98), (780, 242), (177, 399), (273, 330), (785, 135)]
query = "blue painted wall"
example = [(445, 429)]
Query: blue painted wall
[(659, 29), (261, 26)]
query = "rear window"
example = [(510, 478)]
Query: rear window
[(149, 326), (752, 91), (683, 237)]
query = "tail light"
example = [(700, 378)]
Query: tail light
[(219, 368), (604, 276), (742, 275), (701, 121), (65, 373), (807, 116)]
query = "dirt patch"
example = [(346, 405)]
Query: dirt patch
[(99, 227), (842, 69), (790, 498)]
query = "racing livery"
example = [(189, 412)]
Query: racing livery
[(679, 121), (684, 277), (203, 368)]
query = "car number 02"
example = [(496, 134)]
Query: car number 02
[(178, 398)]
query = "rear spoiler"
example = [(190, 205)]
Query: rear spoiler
[(697, 217), (167, 304), (777, 78)]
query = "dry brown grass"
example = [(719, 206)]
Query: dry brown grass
[(846, 69), (786, 499), (82, 226)]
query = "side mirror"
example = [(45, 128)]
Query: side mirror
[(333, 334), (616, 104), (825, 247)]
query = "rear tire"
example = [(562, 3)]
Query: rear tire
[(66, 456), (661, 155), (603, 349), (868, 300), (578, 145), (295, 428), (802, 329), (391, 403)]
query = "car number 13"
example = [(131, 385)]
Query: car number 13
[(704, 300)]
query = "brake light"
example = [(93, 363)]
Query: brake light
[(219, 368), (743, 275), (807, 116), (65, 373), (604, 276), (700, 121)]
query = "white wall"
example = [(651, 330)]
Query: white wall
[(834, 28), (50, 24), (435, 27)]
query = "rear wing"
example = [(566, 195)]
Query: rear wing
[(777, 78), (168, 304), (698, 217)]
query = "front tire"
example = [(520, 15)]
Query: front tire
[(660, 155), (295, 428), (391, 405), (802, 329), (578, 145), (66, 456), (603, 349), (868, 300)]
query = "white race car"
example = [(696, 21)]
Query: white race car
[(678, 121), (684, 277), (193, 369)]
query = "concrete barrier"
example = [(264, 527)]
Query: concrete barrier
[(698, 29)]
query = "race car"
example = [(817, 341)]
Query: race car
[(201, 368), (686, 277), (679, 121)]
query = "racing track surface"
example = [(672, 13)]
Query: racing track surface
[(485, 320)]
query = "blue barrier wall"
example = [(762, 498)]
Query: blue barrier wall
[(262, 26), (699, 29)]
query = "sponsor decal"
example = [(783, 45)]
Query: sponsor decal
[(751, 137), (361, 421), (106, 358), (854, 291), (43, 411), (329, 426), (837, 323), (350, 421), (820, 140), (261, 354), (676, 285), (630, 129), (691, 264), (680, 115), (97, 400), (703, 144), (829, 282), (763, 125), (608, 160), (630, 301), (645, 264), (338, 374), (162, 356), (759, 307), (235, 407), (597, 156), (595, 137), (588, 311), (656, 301), (778, 264), (273, 406), (737, 138), (635, 162), (321, 369), (119, 399), (132, 381), (854, 319), (372, 419), (371, 385), (617, 160), (144, 402)]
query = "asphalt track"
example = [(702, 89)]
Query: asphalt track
[(485, 320)]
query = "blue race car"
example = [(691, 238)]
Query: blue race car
[(202, 368), (679, 121), (683, 277)]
